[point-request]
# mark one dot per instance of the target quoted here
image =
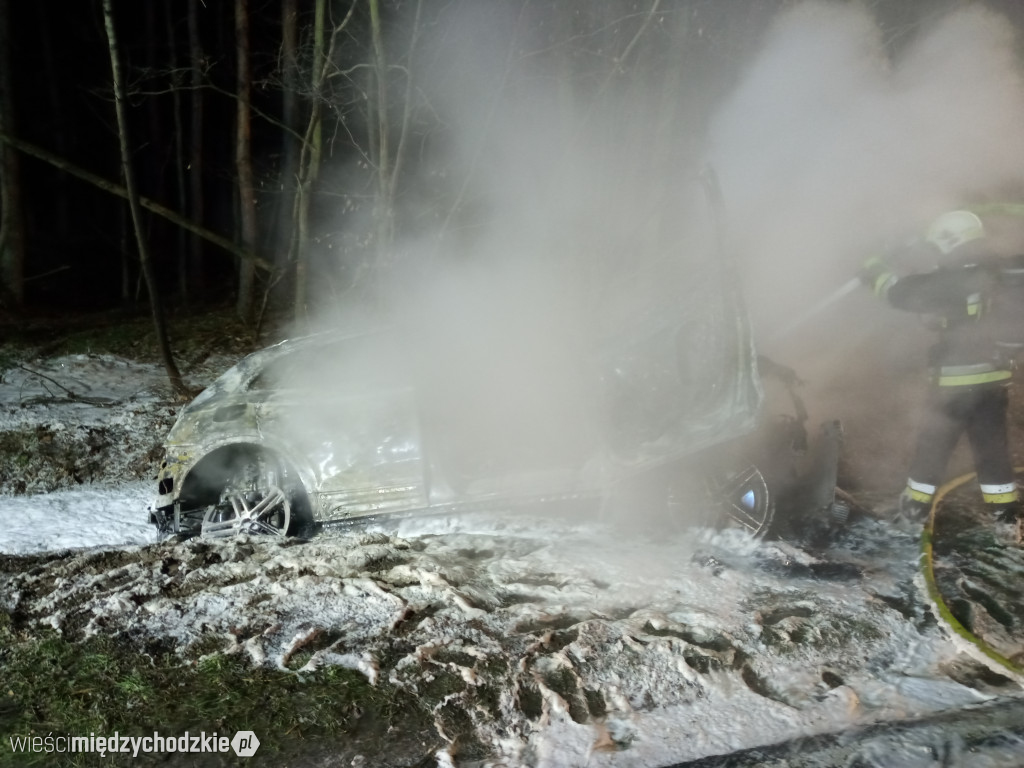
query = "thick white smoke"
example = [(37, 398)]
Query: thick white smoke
[(831, 145), (549, 194)]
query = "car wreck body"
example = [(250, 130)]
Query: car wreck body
[(416, 419)]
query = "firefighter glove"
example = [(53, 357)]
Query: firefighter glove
[(876, 275)]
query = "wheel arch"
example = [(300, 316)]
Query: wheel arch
[(204, 482)]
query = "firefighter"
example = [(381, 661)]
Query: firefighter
[(973, 299)]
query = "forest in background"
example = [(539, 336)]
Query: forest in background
[(296, 154)]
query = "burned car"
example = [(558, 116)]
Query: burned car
[(445, 416)]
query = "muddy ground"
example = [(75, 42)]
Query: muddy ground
[(507, 636)]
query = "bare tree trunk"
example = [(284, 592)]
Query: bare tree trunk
[(290, 73), (290, 120), (309, 162), (179, 155), (12, 229), (124, 228), (243, 162), (153, 157), (59, 201), (388, 161), (383, 212), (177, 383), (407, 101), (195, 164)]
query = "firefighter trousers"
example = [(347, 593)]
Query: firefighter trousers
[(980, 413)]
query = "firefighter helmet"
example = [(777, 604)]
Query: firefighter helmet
[(953, 229)]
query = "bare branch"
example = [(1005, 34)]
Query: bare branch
[(151, 205), (403, 133), (636, 38)]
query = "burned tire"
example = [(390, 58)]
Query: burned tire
[(742, 499), (244, 490)]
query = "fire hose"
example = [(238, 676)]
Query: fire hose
[(928, 572), (843, 290)]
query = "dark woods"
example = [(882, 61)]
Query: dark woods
[(296, 154), (285, 153)]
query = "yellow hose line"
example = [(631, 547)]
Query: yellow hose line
[(927, 569)]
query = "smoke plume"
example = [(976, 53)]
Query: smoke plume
[(833, 145)]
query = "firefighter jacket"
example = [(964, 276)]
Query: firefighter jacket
[(978, 310)]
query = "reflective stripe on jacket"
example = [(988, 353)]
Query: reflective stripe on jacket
[(970, 375), (959, 297)]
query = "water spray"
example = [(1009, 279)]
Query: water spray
[(846, 288)]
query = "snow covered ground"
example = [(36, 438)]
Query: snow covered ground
[(605, 647), (80, 419), (68, 421), (564, 642), (93, 516)]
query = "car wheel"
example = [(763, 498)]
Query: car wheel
[(247, 492), (743, 499), (262, 511)]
